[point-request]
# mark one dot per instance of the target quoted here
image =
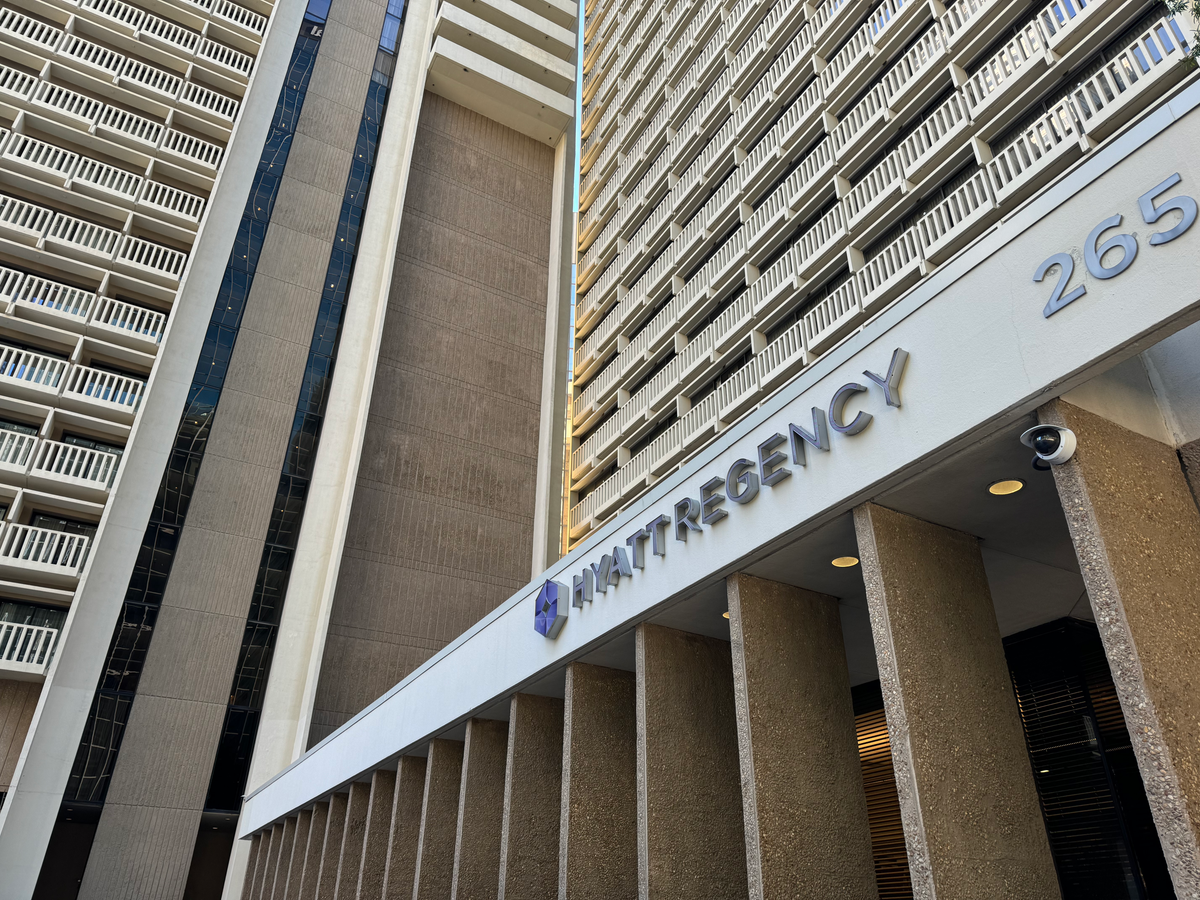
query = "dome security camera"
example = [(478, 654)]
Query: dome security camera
[(1052, 445)]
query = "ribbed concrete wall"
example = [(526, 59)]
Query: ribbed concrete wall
[(441, 525), (144, 841)]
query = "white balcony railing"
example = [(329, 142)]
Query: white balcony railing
[(832, 317), (1007, 70), (1035, 151), (26, 650), (108, 390), (890, 271), (39, 157), (28, 369), (949, 224), (16, 449), (60, 299), (74, 465), (148, 259), (128, 319), (32, 33), (782, 357), (42, 550)]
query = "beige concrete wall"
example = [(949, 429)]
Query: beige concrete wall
[(144, 841), (17, 702), (441, 526)]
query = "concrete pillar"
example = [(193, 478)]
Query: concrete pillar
[(274, 885), (805, 812), (252, 865), (532, 799), (266, 879), (331, 848), (691, 841), (373, 859), (434, 876), (1136, 531), (310, 872), (972, 822), (480, 811), (349, 857), (598, 830), (405, 830), (295, 872)]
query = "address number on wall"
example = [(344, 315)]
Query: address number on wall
[(1095, 252)]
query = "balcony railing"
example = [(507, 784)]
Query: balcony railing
[(889, 272), (833, 317), (26, 650), (71, 464), (60, 299), (16, 449), (129, 320), (108, 390), (1035, 152), (42, 551), (949, 224), (36, 371)]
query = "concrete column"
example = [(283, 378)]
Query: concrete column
[(532, 799), (253, 859), (373, 859), (331, 848), (291, 885), (597, 842), (310, 872), (349, 857), (277, 879), (691, 841), (972, 822), (480, 811), (405, 830), (434, 876), (266, 879), (807, 833), (1136, 531)]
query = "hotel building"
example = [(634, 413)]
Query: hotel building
[(285, 301), (845, 270)]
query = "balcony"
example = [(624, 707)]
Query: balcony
[(70, 469), (39, 554), (23, 221), (782, 358), (738, 392), (850, 69), (863, 130), (767, 227), (190, 150), (700, 422), (775, 288), (919, 75), (832, 318), (171, 203), (802, 121), (794, 64), (79, 239), (938, 145), (103, 393), (40, 159), (1037, 154), (818, 248), (16, 449), (51, 301), (809, 184), (991, 89), (957, 219), (891, 272), (25, 651), (664, 451), (126, 128), (971, 25), (1144, 69), (106, 182), (126, 323), (870, 203), (151, 261), (894, 22), (30, 375), (30, 33)]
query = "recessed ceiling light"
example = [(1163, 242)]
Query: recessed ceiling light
[(725, 615), (845, 562), (1005, 487)]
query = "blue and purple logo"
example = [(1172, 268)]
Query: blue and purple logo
[(550, 613)]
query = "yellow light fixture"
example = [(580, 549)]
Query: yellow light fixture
[(846, 562), (1005, 487), (725, 615)]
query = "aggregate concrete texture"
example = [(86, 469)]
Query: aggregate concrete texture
[(1136, 529), (971, 816), (480, 811), (691, 839), (434, 875), (807, 832), (373, 861), (405, 831)]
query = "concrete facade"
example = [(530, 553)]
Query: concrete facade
[(434, 874), (442, 517), (405, 831), (480, 811)]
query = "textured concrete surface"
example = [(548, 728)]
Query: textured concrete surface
[(349, 858), (262, 890), (331, 846), (972, 821), (295, 871), (1136, 530), (17, 702), (807, 833), (434, 874), (311, 873), (691, 838), (254, 865), (441, 524), (405, 830), (373, 860), (480, 811), (598, 831), (274, 887), (532, 799), (144, 842)]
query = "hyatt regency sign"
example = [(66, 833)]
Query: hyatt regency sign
[(743, 481)]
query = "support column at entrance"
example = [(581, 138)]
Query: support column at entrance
[(597, 843), (480, 811), (405, 829), (807, 832), (972, 821), (1136, 531), (691, 841), (375, 841), (439, 821)]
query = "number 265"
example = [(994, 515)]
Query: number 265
[(1094, 252)]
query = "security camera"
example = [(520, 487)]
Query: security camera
[(1053, 445)]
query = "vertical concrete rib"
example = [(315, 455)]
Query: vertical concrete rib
[(1136, 531), (480, 811), (598, 829), (310, 872), (373, 859), (434, 874), (807, 832), (405, 831), (266, 880), (354, 831), (972, 821), (532, 799), (273, 888), (331, 848), (691, 840), (254, 866), (291, 886)]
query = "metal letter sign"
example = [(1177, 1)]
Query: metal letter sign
[(550, 612)]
